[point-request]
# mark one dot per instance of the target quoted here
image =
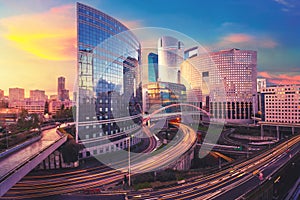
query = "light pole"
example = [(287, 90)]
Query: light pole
[(129, 161), (254, 105), (247, 151), (6, 131)]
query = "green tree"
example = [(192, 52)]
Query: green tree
[(27, 121)]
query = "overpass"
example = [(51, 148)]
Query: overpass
[(174, 155), (277, 125), (16, 165)]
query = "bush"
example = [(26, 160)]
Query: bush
[(142, 186), (141, 178), (168, 175), (2, 145)]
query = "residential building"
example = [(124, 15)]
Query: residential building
[(56, 105), (281, 104), (37, 95), (16, 94)]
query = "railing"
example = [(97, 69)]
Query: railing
[(19, 146), (28, 160)]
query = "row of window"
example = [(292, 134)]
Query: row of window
[(283, 121), (109, 148)]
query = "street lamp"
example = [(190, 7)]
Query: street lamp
[(254, 105), (6, 139), (129, 164)]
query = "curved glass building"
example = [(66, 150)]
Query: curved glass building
[(170, 56), (109, 94)]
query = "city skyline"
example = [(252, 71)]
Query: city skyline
[(28, 92), (180, 111), (49, 49)]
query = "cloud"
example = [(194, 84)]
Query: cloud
[(264, 74), (38, 47), (285, 3), (242, 40), (49, 35), (282, 78), (237, 38), (132, 24)]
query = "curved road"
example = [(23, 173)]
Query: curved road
[(229, 183), (40, 186)]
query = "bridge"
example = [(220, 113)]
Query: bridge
[(16, 165), (277, 125)]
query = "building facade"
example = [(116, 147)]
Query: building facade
[(161, 94), (38, 95), (16, 94), (281, 104), (227, 79), (170, 56), (9, 116), (261, 84), (108, 78), (56, 105), (1, 94), (62, 92), (152, 67)]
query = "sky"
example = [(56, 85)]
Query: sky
[(38, 37)]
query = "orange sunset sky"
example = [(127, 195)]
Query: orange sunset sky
[(37, 48)]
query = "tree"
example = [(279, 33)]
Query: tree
[(62, 107), (27, 121), (70, 150), (64, 114)]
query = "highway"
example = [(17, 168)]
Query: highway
[(17, 164), (230, 183), (11, 161), (47, 185), (227, 184)]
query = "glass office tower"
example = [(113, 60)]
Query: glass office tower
[(108, 97), (152, 67)]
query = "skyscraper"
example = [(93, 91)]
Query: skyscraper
[(152, 67), (108, 75), (62, 92), (170, 56), (236, 70)]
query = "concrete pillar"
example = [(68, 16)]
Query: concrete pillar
[(47, 163), (261, 131), (278, 134)]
